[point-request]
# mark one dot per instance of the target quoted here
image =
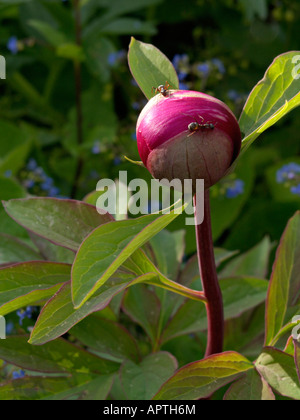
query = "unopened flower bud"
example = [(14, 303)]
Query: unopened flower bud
[(187, 135)]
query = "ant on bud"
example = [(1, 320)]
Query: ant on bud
[(163, 89), (194, 127)]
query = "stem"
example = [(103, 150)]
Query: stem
[(211, 287), (78, 89)]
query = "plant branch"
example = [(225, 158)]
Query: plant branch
[(211, 287), (78, 89)]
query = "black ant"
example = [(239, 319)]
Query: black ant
[(194, 127), (163, 89)]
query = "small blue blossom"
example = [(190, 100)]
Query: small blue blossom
[(9, 328), (12, 45), (236, 189), (8, 173), (96, 149), (233, 95), (136, 106), (133, 136), (18, 374), (23, 314), (179, 60), (115, 57), (54, 192), (29, 183), (182, 75), (204, 68), (219, 65), (288, 172), (183, 86), (32, 165), (296, 190), (117, 161)]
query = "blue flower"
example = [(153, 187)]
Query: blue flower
[(183, 86), (117, 161), (219, 64), (204, 68), (47, 184), (12, 45), (133, 136), (96, 149), (180, 59), (23, 314), (288, 172), (236, 189), (32, 165), (115, 57), (233, 95), (296, 190), (9, 328), (53, 192), (8, 173), (18, 374), (29, 183), (182, 75)]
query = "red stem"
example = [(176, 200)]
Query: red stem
[(211, 287)]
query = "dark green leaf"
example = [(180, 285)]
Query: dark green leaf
[(251, 387), (62, 222), (26, 283), (108, 338), (201, 379), (271, 99), (284, 288), (107, 248), (12, 250), (59, 356), (278, 369), (141, 382), (150, 67)]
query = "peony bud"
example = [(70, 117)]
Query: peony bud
[(188, 135)]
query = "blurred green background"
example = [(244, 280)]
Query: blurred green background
[(69, 105)]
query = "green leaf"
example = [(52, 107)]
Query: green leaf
[(95, 389), (251, 387), (10, 188), (62, 222), (143, 306), (13, 250), (15, 160), (128, 26), (50, 34), (109, 339), (271, 99), (150, 67), (107, 248), (201, 379), (81, 386), (239, 295), (284, 286), (142, 381), (254, 263), (26, 283), (59, 315), (278, 369), (168, 250), (59, 356)]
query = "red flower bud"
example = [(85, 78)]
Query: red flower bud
[(188, 135)]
